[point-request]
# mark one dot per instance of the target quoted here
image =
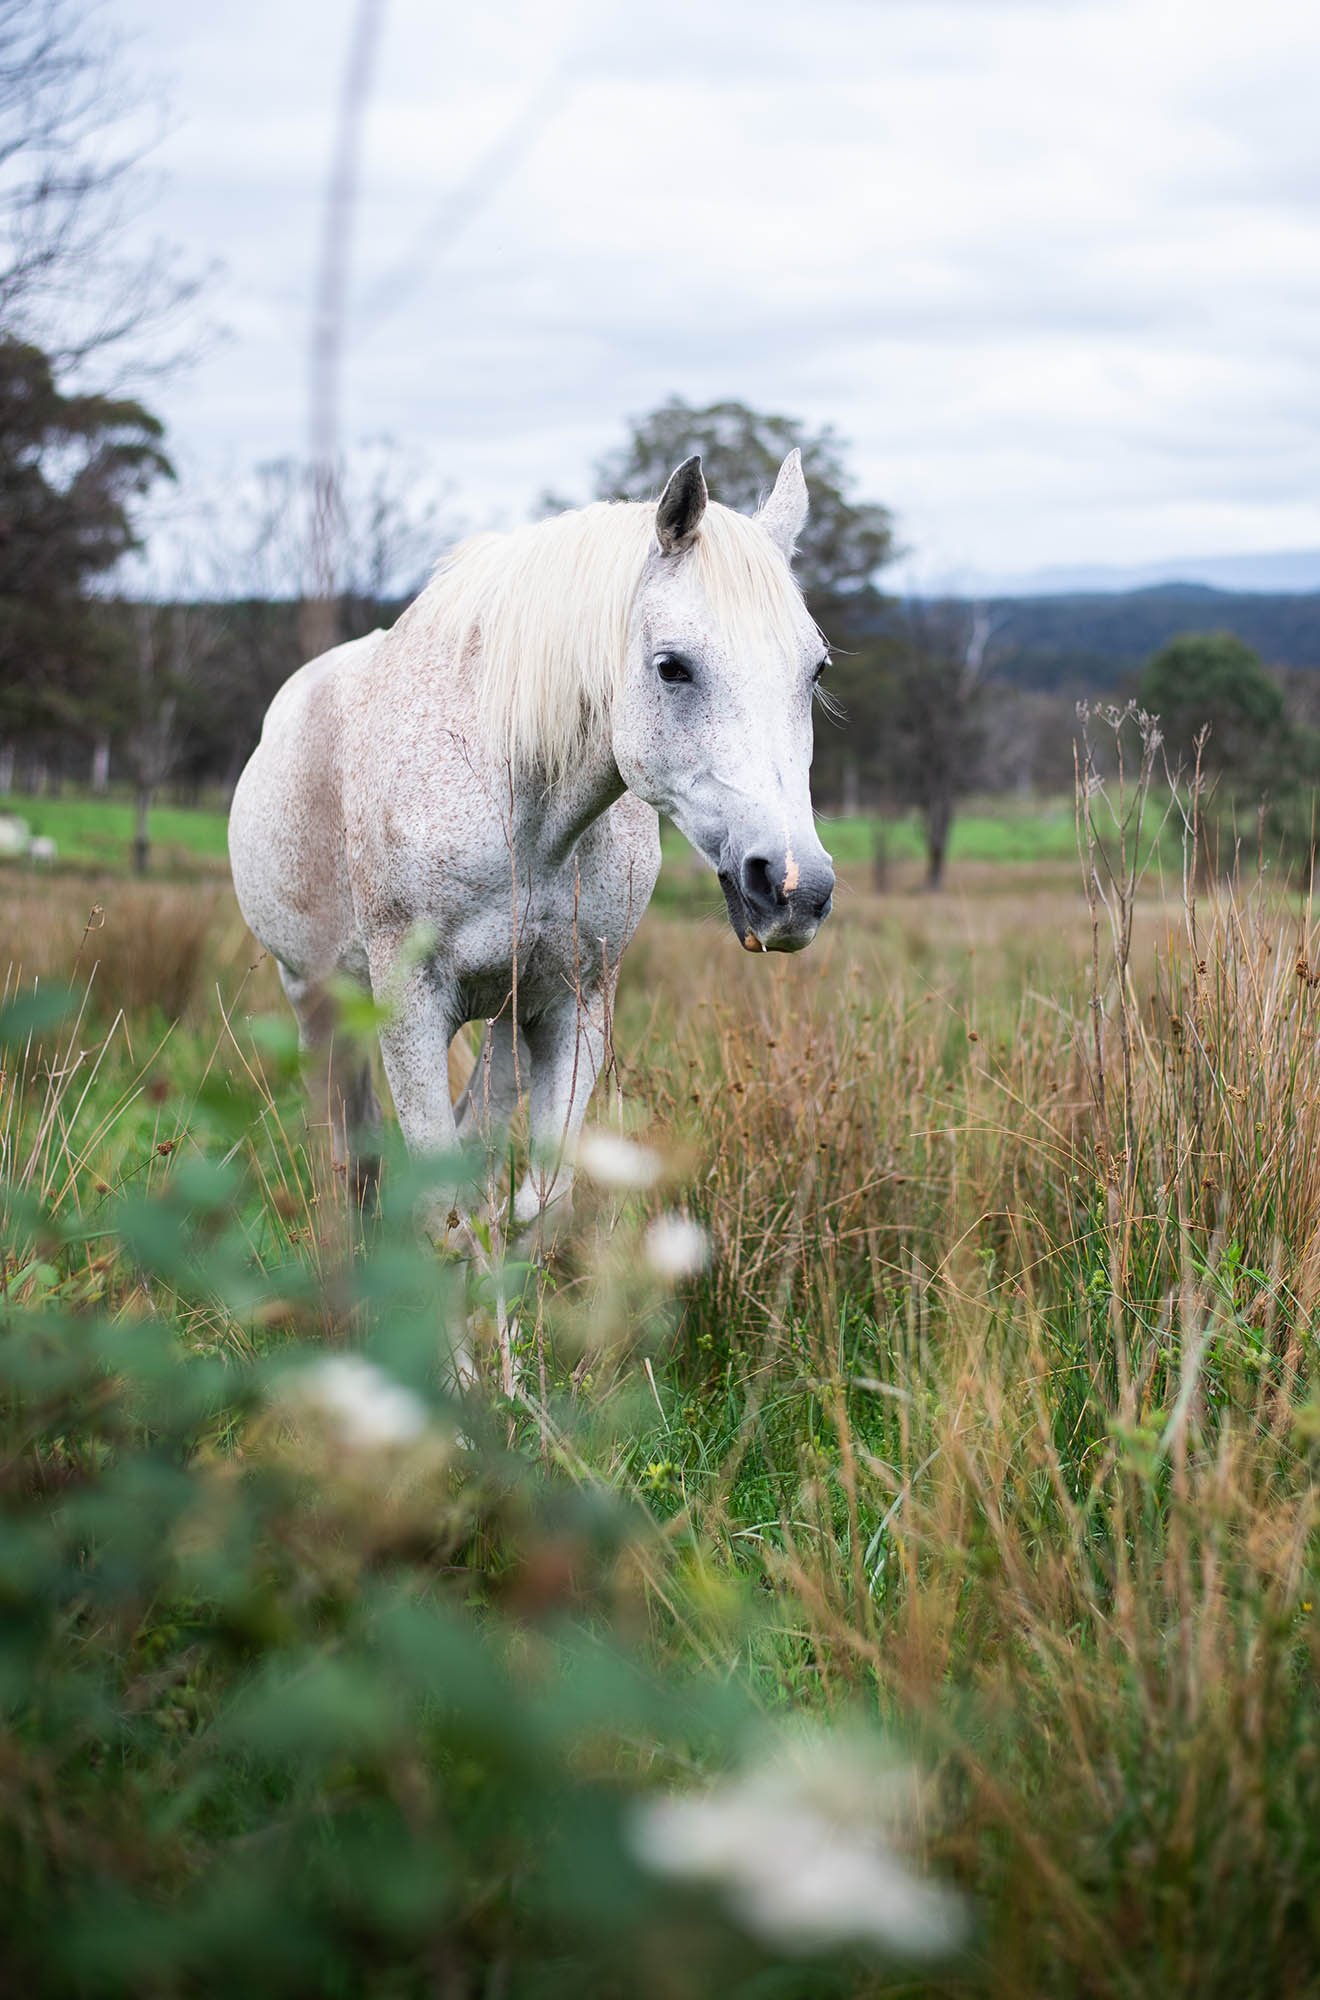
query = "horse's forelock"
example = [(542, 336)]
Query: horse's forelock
[(547, 610)]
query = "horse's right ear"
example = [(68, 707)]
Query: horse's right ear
[(784, 514), (680, 508)]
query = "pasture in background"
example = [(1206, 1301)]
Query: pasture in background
[(97, 834)]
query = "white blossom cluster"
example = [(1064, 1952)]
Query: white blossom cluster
[(676, 1247), (360, 1404), (615, 1162), (798, 1850)]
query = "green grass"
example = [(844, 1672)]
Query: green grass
[(1005, 830), (1001, 830), (98, 833)]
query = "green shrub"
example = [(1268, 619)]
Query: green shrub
[(312, 1680)]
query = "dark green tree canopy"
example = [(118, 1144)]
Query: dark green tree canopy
[(846, 541), (1211, 679), (71, 465)]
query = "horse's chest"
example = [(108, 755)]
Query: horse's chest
[(553, 937), (550, 927)]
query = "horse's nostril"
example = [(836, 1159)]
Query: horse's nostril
[(758, 883)]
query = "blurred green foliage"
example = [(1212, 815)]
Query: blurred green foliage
[(305, 1696)]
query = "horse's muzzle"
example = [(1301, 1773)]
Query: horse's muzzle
[(777, 908)]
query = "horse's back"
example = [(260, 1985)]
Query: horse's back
[(286, 823)]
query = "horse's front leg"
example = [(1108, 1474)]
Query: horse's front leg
[(500, 1079), (414, 1045), (567, 1047), (340, 1085), (498, 1085)]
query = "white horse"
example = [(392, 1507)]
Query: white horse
[(461, 813)]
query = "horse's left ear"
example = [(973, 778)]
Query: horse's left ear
[(785, 512), (680, 508)]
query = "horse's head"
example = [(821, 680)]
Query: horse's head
[(712, 722)]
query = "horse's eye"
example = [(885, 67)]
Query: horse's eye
[(820, 671), (672, 667)]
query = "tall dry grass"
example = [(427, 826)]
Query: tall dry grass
[(997, 1411), (1004, 1386), (141, 948)]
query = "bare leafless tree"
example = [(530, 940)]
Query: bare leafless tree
[(173, 644), (74, 275), (385, 531), (1027, 739), (388, 529), (935, 724), (393, 527)]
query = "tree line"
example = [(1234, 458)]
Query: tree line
[(95, 684), (926, 700), (918, 710)]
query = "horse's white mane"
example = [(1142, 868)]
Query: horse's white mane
[(547, 613)]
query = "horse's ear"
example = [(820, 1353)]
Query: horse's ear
[(785, 512), (680, 508)]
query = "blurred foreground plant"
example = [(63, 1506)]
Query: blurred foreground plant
[(312, 1680)]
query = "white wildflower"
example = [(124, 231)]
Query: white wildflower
[(797, 1850), (366, 1409), (617, 1162), (676, 1247)]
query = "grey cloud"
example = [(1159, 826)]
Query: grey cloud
[(909, 218)]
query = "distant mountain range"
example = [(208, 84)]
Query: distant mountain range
[(1279, 571), (1096, 639)]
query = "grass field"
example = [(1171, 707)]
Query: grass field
[(94, 833), (986, 1441), (98, 833)]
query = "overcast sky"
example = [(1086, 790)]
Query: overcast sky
[(1051, 266)]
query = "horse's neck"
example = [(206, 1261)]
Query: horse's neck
[(546, 819), (549, 820)]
